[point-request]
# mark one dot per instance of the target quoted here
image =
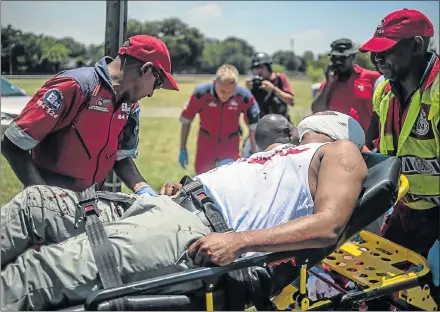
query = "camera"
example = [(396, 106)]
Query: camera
[(334, 69), (256, 81)]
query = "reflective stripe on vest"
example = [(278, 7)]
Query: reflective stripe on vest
[(420, 158)]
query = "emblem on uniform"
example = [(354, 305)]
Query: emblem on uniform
[(99, 104), (379, 28), (212, 104), (255, 109), (233, 103), (125, 108), (361, 87), (53, 99), (422, 166), (421, 127), (126, 43)]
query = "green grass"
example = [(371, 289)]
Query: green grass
[(159, 137)]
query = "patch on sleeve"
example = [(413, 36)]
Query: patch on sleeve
[(53, 99), (255, 109)]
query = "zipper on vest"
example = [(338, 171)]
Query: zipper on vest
[(81, 141), (219, 131)]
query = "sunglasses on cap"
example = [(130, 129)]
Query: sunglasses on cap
[(159, 80)]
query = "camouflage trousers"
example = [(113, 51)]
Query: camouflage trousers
[(153, 233)]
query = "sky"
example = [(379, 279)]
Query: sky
[(267, 25)]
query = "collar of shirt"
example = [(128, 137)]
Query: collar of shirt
[(101, 68)]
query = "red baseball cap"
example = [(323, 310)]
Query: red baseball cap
[(402, 24), (151, 49)]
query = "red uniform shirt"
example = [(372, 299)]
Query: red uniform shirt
[(75, 130), (354, 97), (221, 120)]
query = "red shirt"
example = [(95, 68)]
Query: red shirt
[(221, 120), (74, 128), (354, 97)]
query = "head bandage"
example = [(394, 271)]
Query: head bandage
[(335, 125)]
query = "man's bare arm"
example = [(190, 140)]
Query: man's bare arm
[(286, 97), (321, 102), (340, 180), (184, 134), (22, 164), (128, 172)]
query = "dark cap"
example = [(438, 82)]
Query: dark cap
[(151, 49), (343, 47), (260, 58), (398, 25)]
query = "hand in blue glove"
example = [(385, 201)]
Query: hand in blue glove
[(146, 190), (183, 158)]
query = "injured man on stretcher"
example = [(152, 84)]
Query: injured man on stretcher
[(288, 197)]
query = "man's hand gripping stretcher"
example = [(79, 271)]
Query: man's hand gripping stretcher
[(286, 198)]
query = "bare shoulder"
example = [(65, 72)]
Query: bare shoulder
[(346, 156)]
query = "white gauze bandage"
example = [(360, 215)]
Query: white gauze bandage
[(336, 125)]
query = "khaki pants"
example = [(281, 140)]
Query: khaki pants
[(154, 233), (43, 215)]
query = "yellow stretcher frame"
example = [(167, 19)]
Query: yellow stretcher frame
[(373, 263)]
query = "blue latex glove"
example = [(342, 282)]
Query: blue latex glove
[(183, 158), (146, 190)]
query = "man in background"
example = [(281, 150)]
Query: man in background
[(348, 88), (272, 90), (219, 104)]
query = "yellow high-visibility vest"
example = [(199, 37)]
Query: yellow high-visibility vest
[(418, 145)]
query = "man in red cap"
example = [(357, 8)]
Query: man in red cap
[(84, 122), (407, 108)]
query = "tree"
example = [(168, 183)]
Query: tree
[(247, 49), (308, 56), (184, 43), (287, 59), (230, 51), (10, 41), (431, 47), (75, 48), (315, 74), (55, 54), (363, 60), (303, 65), (278, 68), (94, 53)]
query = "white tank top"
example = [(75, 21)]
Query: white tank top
[(264, 190)]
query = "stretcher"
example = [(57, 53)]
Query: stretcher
[(377, 267)]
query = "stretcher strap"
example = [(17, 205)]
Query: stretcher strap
[(237, 281), (202, 202), (100, 244)]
